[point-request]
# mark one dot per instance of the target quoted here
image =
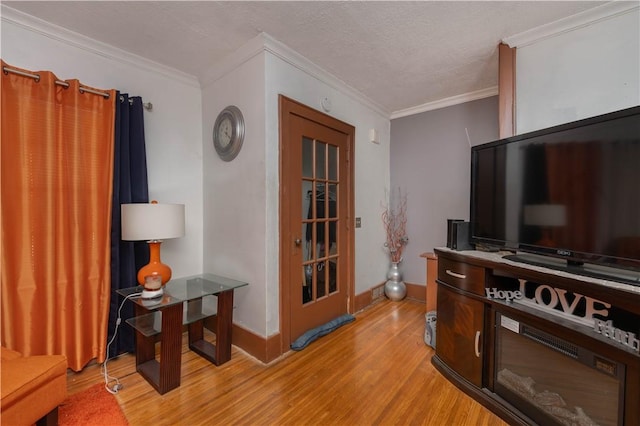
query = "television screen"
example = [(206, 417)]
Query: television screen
[(570, 191)]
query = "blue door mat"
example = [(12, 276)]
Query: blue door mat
[(315, 333)]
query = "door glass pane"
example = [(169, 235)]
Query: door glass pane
[(333, 236), (307, 157), (333, 199), (323, 238), (333, 162), (307, 194), (320, 196), (307, 283), (333, 273), (320, 160), (306, 241), (322, 279)]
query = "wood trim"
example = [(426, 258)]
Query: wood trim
[(506, 90), (285, 296), (431, 286), (366, 298), (265, 349), (416, 292)]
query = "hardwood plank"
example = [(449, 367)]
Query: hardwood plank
[(375, 370)]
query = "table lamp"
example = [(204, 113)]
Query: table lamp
[(152, 222)]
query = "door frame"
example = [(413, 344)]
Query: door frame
[(287, 108)]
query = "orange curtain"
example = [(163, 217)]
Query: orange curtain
[(57, 168)]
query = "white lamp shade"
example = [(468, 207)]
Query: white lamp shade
[(152, 221)]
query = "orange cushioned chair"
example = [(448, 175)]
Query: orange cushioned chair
[(32, 388)]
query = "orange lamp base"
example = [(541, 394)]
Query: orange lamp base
[(154, 274)]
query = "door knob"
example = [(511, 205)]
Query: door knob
[(298, 241)]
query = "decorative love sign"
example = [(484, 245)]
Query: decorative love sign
[(506, 295), (625, 338), (552, 298), (562, 302), (549, 297)]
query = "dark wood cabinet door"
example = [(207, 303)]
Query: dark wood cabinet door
[(459, 333)]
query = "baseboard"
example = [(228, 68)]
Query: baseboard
[(366, 298), (416, 292), (265, 349)]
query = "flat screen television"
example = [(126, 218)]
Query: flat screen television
[(566, 197)]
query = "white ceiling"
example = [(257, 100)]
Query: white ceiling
[(399, 54)]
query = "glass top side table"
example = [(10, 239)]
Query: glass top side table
[(165, 316)]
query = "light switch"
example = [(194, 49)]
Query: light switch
[(358, 222), (373, 136)]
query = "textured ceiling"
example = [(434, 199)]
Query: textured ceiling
[(398, 54)]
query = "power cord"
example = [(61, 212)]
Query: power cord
[(107, 378)]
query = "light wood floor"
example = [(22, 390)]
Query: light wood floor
[(375, 370)]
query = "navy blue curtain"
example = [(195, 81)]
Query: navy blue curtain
[(129, 186)]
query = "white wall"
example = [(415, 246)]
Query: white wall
[(590, 69), (241, 198), (172, 129), (235, 194)]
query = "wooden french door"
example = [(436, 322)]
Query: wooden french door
[(316, 204)]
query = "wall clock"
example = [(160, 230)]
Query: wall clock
[(228, 133)]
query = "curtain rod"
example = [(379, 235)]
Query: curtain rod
[(36, 77), (147, 105)]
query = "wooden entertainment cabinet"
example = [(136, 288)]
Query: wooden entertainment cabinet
[(572, 339)]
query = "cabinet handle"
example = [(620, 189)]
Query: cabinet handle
[(455, 274), (477, 348)]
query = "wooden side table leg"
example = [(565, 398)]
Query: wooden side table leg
[(170, 348), (221, 351), (224, 326), (196, 329), (145, 346)]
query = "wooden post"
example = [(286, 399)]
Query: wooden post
[(506, 90), (432, 273)]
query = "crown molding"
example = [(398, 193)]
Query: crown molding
[(446, 102), (232, 61), (263, 42), (60, 34), (573, 22), (296, 60)]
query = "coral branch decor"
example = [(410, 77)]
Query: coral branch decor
[(394, 219)]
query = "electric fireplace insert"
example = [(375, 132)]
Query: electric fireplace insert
[(553, 381)]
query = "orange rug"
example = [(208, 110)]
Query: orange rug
[(91, 407)]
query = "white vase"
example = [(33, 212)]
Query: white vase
[(394, 288)]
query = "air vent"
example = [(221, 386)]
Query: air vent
[(551, 342)]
